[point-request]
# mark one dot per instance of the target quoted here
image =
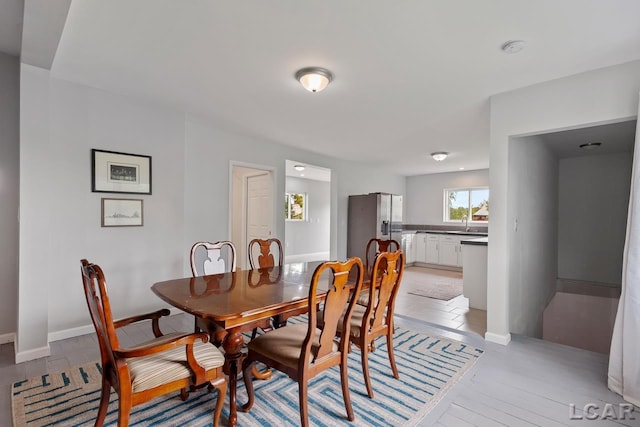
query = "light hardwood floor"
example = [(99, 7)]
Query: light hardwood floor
[(529, 382)]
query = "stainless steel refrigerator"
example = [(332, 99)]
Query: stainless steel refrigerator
[(373, 215)]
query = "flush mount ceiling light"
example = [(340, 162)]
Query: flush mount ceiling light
[(590, 146), (299, 167), (314, 79), (439, 156), (513, 46)]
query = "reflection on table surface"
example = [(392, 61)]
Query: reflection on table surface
[(241, 292)]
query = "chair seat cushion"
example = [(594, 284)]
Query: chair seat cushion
[(356, 320), (157, 369), (284, 344)]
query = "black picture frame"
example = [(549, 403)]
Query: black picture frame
[(116, 172)]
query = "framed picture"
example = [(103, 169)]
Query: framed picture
[(113, 172), (122, 212)]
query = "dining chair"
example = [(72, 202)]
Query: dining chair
[(302, 351), (140, 373), (261, 256), (212, 258), (374, 247), (376, 318), (261, 253), (207, 259)]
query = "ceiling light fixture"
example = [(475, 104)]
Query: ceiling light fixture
[(299, 167), (513, 46), (590, 146), (314, 79), (439, 156)]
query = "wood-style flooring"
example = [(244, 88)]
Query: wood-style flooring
[(529, 382)]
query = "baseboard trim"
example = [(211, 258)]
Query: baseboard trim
[(497, 338), (316, 256), (437, 266), (6, 338), (70, 333), (88, 329), (35, 353)]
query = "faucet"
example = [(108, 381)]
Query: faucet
[(465, 219)]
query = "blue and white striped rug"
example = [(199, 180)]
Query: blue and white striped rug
[(428, 366)]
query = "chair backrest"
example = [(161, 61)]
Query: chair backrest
[(387, 271), (340, 289), (261, 253), (95, 291), (212, 258), (376, 246)]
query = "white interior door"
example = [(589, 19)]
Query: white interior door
[(259, 207)]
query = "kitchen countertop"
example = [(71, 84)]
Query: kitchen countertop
[(456, 232), (481, 241)]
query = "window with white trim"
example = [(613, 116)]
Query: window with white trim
[(468, 205), (295, 206)]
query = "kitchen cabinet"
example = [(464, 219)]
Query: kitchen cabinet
[(450, 252), (408, 245), (433, 248), (438, 249), (421, 247)]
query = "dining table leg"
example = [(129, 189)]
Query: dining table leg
[(233, 356)]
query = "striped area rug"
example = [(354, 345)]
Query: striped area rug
[(428, 366)]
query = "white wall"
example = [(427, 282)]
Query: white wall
[(533, 197), (593, 201), (424, 202), (60, 216), (9, 192), (311, 236), (599, 96)]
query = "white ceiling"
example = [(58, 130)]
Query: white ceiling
[(410, 77)]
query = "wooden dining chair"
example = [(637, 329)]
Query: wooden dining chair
[(261, 256), (261, 253), (374, 247), (212, 258), (302, 351), (376, 318), (207, 259), (165, 364)]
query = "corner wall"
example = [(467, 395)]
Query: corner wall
[(9, 192), (533, 211)]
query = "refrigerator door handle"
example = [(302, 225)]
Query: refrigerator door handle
[(384, 229)]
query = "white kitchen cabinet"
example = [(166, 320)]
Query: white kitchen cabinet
[(408, 244), (449, 251), (433, 244), (420, 241)]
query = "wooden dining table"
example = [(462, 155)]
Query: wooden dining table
[(230, 304)]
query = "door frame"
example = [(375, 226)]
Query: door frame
[(242, 214)]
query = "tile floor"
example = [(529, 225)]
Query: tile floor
[(452, 314)]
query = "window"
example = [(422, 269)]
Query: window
[(295, 206), (466, 205)]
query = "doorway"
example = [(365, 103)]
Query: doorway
[(307, 212), (252, 206), (569, 213)]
